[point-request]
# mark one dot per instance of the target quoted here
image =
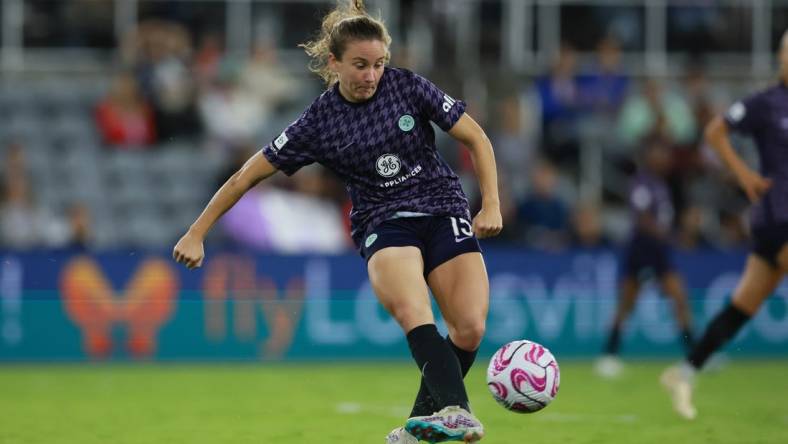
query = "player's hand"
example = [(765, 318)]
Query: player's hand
[(753, 184), (488, 222), (189, 251)]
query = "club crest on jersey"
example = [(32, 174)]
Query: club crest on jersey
[(280, 141), (406, 122), (388, 165)]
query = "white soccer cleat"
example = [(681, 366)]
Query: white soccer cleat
[(678, 382), (401, 436), (609, 366), (450, 424)]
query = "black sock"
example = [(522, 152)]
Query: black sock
[(614, 340), (724, 327), (424, 404), (686, 338), (440, 371), (465, 357)]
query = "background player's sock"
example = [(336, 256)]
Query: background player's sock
[(613, 340), (724, 327), (424, 404), (686, 339), (440, 369)]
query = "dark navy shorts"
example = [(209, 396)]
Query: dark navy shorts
[(439, 238), (646, 255), (767, 241)]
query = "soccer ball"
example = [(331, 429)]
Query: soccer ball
[(523, 376)]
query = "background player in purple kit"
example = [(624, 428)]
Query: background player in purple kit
[(648, 253), (410, 217), (764, 116)]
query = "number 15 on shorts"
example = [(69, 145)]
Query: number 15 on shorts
[(462, 229)]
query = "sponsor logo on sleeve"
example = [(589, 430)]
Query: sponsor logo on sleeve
[(448, 102), (281, 141)]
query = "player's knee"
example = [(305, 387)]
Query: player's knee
[(469, 335), (407, 313)]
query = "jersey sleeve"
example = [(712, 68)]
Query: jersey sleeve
[(293, 149), (745, 116), (436, 105)]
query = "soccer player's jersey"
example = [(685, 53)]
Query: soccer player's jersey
[(764, 116), (649, 194), (383, 149)]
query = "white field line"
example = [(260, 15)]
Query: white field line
[(355, 408)]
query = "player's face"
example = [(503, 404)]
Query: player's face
[(360, 69)]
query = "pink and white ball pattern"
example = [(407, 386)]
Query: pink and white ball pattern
[(523, 376)]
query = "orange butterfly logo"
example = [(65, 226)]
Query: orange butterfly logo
[(143, 307)]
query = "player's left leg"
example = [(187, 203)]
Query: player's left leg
[(759, 280), (672, 285), (459, 282), (461, 290)]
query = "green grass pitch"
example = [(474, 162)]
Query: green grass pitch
[(359, 403)]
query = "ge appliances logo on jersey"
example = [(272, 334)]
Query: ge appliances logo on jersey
[(388, 165)]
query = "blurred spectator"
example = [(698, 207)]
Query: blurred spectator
[(270, 217), (543, 212), (160, 53), (512, 141), (587, 230), (603, 88), (208, 59), (733, 232), (264, 78), (80, 235), (690, 235), (23, 225), (654, 113), (230, 114), (123, 117), (560, 100)]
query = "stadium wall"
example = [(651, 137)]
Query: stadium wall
[(240, 306)]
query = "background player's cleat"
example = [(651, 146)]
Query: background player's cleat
[(401, 436), (678, 382), (609, 366), (450, 424)]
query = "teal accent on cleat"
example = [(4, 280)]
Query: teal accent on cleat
[(450, 424)]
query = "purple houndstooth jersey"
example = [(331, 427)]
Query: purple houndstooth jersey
[(383, 149), (764, 116), (649, 194)]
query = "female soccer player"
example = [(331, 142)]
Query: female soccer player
[(648, 253), (764, 116), (410, 217)]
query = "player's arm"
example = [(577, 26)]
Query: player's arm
[(189, 249), (717, 135), (489, 221)]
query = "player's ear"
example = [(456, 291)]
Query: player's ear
[(332, 61)]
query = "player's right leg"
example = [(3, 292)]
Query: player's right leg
[(672, 286), (759, 280), (609, 365)]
